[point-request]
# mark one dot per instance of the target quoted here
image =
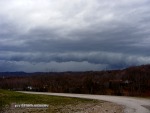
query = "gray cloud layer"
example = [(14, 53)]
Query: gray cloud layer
[(77, 35)]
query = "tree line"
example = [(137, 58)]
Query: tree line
[(133, 81)]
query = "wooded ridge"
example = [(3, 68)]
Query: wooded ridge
[(133, 81)]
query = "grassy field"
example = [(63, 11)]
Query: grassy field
[(9, 97)]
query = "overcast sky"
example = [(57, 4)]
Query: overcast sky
[(73, 35)]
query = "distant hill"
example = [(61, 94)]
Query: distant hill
[(132, 81), (142, 68), (14, 73)]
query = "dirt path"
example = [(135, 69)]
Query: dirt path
[(132, 105)]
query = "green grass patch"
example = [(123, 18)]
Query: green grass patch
[(8, 97)]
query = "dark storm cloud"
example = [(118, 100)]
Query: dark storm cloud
[(86, 35)]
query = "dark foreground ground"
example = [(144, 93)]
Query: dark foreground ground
[(56, 104)]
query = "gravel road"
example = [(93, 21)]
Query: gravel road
[(132, 104)]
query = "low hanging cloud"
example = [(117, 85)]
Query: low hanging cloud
[(77, 35), (68, 61)]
